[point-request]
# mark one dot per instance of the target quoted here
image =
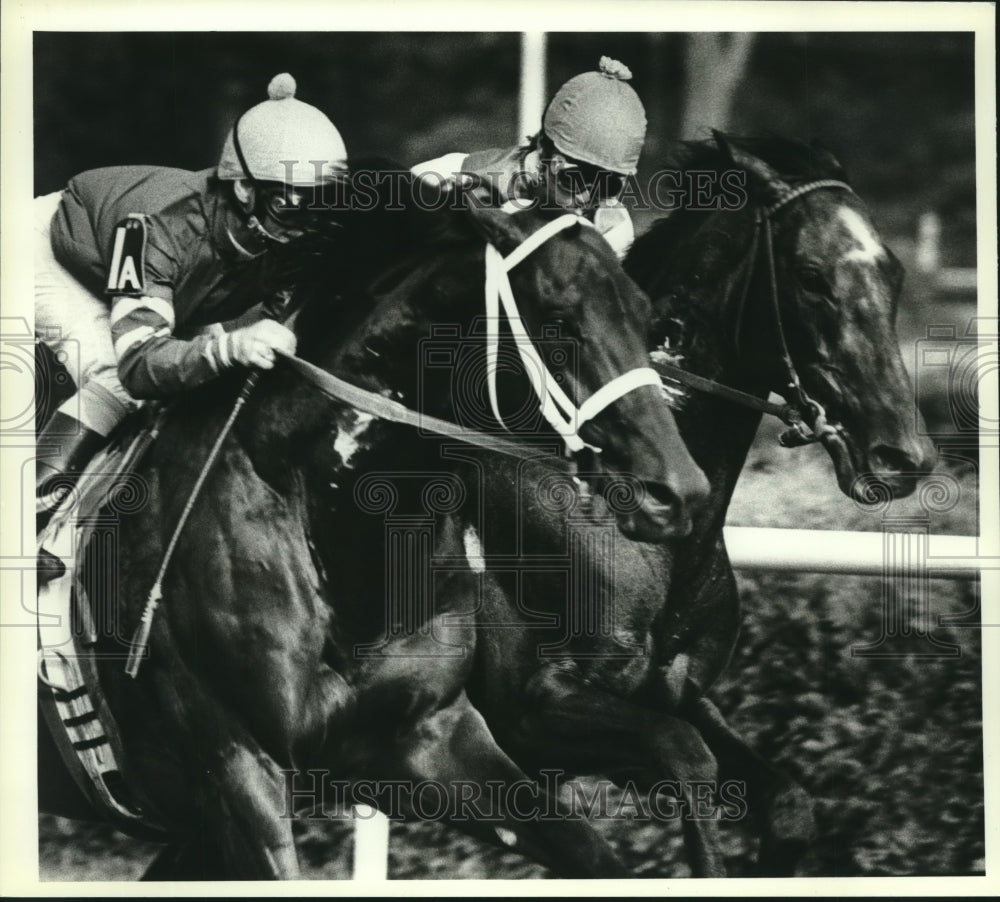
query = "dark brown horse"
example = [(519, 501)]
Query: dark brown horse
[(602, 668), (274, 650)]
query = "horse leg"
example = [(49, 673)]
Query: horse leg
[(455, 749), (188, 860), (244, 832), (782, 808), (592, 731), (256, 834)]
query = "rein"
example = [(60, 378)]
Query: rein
[(802, 410), (556, 406), (392, 411)]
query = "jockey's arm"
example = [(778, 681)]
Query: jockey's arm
[(440, 169), (152, 363), (611, 218)]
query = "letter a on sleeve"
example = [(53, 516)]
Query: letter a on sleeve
[(126, 275)]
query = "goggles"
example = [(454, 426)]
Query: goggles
[(578, 178), (288, 204)]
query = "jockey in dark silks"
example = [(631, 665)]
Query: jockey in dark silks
[(136, 267), (591, 138)]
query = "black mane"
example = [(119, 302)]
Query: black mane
[(794, 160), (378, 229)]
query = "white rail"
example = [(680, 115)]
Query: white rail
[(859, 553)]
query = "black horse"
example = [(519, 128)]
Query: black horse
[(274, 651), (603, 668)]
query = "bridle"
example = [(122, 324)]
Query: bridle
[(803, 414), (556, 406)]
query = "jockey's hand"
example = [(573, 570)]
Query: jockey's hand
[(255, 345)]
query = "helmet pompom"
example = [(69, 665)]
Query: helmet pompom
[(282, 139), (613, 69), (281, 87)]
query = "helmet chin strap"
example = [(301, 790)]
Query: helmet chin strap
[(257, 227), (253, 221), (246, 252)]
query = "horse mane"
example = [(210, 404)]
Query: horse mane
[(794, 160), (380, 230)]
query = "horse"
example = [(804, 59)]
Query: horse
[(273, 652), (793, 292)]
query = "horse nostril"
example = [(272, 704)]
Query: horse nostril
[(892, 460), (660, 493)]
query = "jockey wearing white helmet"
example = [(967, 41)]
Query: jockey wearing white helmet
[(136, 267), (591, 138)]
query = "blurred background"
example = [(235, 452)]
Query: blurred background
[(890, 748), (897, 108)]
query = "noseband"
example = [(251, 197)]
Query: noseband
[(556, 406)]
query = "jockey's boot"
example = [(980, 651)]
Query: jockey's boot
[(49, 567), (55, 476)]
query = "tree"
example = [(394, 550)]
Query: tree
[(713, 66)]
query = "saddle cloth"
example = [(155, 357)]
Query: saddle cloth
[(69, 693)]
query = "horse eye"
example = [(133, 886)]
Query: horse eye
[(563, 326), (813, 281)]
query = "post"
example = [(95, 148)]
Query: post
[(532, 99), (371, 844), (929, 243)]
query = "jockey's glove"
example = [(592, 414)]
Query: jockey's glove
[(255, 345)]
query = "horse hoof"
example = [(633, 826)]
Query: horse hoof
[(780, 859), (788, 833)]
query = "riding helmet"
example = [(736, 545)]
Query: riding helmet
[(597, 118), (283, 129)]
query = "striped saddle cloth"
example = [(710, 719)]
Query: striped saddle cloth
[(70, 625)]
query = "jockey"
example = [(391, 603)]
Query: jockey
[(592, 134), (136, 267)]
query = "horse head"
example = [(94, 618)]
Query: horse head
[(596, 319), (834, 289), (557, 327)]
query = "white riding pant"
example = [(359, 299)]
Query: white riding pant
[(75, 324)]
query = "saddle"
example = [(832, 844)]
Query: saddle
[(70, 696)]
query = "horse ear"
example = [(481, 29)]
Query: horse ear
[(722, 142), (764, 177), (827, 160)]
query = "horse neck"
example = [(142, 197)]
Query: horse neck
[(700, 285)]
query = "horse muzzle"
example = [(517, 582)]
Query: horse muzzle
[(648, 511), (887, 471)]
